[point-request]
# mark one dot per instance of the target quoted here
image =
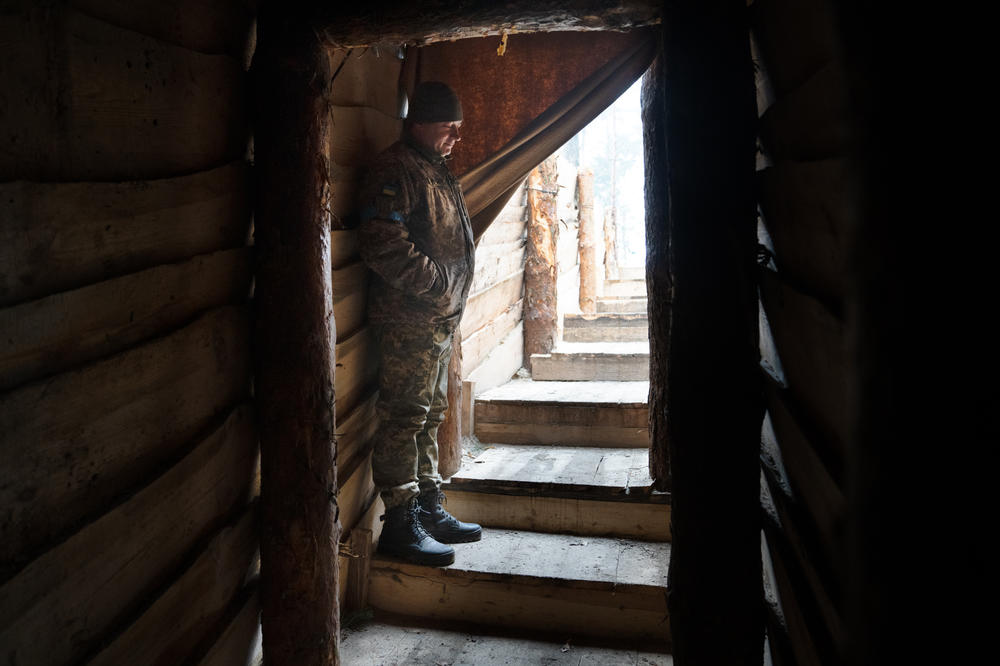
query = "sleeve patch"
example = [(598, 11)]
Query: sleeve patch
[(389, 191)]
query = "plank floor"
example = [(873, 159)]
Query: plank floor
[(593, 393), (390, 643)]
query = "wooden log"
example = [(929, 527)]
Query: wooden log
[(240, 642), (104, 103), (811, 343), (52, 334), (350, 298), (810, 122), (295, 337), (494, 262), (359, 133), (75, 442), (64, 603), (59, 236), (180, 618), (701, 105), (807, 214), (355, 495), (587, 240), (541, 314), (367, 77), (611, 269), (484, 306), (357, 364), (478, 346), (208, 26), (355, 430), (450, 431)]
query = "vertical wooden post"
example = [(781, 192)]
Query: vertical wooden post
[(295, 339), (541, 316), (706, 403), (450, 431), (587, 238), (611, 271)]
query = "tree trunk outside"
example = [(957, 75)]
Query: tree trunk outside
[(541, 315), (587, 241)]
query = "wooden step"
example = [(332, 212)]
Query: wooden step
[(624, 305), (605, 327), (624, 288), (585, 361), (588, 413), (570, 585), (391, 639), (571, 490)]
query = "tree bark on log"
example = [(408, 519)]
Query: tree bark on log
[(450, 430), (295, 346), (587, 239), (706, 404), (541, 314)]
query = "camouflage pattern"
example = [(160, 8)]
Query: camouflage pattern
[(413, 397), (416, 236)]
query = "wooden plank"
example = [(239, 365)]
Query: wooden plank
[(113, 104), (509, 226), (501, 364), (74, 442), (359, 133), (350, 298), (545, 582), (344, 248), (52, 334), (495, 262), (818, 487), (355, 430), (562, 515), (807, 214), (810, 122), (178, 619), (811, 343), (483, 307), (209, 26), (366, 77), (796, 38), (357, 368), (58, 236), (480, 344), (240, 643), (65, 601), (355, 494)]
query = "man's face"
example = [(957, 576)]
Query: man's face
[(439, 137)]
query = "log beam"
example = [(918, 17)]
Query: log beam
[(295, 346), (702, 289), (541, 316), (586, 240)]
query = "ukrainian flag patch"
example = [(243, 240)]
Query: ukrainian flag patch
[(389, 190)]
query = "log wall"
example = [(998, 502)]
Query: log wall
[(492, 328), (128, 448), (364, 108), (804, 210)]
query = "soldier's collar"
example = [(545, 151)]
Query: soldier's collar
[(431, 156)]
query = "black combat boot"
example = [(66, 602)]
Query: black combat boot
[(404, 537), (442, 525)]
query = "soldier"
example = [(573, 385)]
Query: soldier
[(416, 236)]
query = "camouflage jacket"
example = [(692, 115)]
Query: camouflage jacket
[(416, 236)]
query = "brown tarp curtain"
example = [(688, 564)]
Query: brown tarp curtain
[(522, 106)]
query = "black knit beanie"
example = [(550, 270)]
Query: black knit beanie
[(434, 102)]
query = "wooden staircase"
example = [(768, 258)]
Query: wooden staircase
[(575, 543)]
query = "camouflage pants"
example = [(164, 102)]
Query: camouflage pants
[(413, 397)]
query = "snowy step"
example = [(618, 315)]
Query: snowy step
[(569, 586), (625, 288), (605, 327), (572, 490), (582, 361), (586, 413), (624, 304)]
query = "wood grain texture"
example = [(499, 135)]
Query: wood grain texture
[(60, 606), (359, 133), (112, 104), (208, 26), (810, 122), (367, 77), (806, 208), (239, 643), (350, 298), (812, 346), (59, 236), (484, 306), (478, 346), (182, 617), (50, 335), (796, 38), (76, 441), (357, 364), (541, 312)]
